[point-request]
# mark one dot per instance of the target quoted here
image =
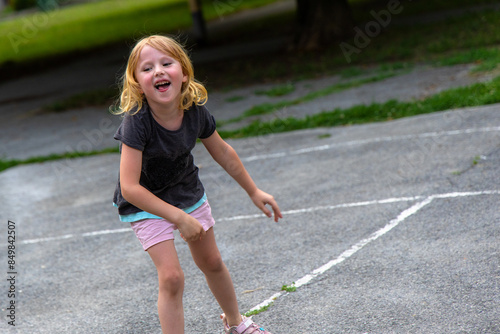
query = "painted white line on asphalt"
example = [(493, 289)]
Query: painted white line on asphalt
[(48, 239), (93, 234), (328, 207), (370, 141), (290, 212), (70, 236), (362, 243)]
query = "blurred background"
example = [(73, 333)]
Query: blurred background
[(69, 54), (270, 66)]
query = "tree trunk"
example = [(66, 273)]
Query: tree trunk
[(199, 26), (320, 23)]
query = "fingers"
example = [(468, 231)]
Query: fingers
[(277, 214), (266, 211), (275, 208), (261, 199), (193, 235), (202, 234)]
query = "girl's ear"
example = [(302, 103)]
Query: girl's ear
[(185, 78)]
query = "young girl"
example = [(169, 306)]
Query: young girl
[(159, 189)]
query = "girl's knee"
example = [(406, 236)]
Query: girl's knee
[(211, 263), (171, 281)]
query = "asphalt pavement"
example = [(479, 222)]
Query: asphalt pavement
[(388, 227)]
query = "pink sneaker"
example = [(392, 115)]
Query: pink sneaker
[(247, 326)]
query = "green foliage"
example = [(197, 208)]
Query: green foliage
[(475, 95), (289, 288), (97, 23), (267, 108), (5, 164), (260, 310), (235, 98), (277, 90)]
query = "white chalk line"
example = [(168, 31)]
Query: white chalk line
[(290, 212), (370, 141), (285, 213), (307, 279), (327, 207), (374, 236), (70, 236), (298, 152)]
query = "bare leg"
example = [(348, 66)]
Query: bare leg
[(171, 287), (207, 257)]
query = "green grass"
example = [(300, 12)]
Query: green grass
[(8, 163), (99, 97), (467, 38), (260, 310), (106, 97), (289, 288), (94, 24), (266, 108), (487, 59), (475, 95), (279, 90), (235, 98)]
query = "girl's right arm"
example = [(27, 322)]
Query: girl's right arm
[(136, 194)]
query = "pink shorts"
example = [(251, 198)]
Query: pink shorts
[(153, 231)]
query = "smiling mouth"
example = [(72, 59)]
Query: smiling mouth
[(162, 85)]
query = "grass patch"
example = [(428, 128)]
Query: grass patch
[(289, 288), (266, 108), (468, 38), (475, 95), (235, 98), (98, 23), (260, 310), (109, 96), (487, 59), (276, 91), (5, 164), (91, 98)]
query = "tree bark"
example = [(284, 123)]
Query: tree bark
[(320, 23), (199, 26)]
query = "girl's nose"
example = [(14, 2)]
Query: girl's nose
[(159, 71)]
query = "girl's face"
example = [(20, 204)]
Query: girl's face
[(160, 77)]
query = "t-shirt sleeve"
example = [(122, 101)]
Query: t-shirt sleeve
[(207, 123), (132, 132)]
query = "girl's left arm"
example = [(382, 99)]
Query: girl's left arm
[(227, 157)]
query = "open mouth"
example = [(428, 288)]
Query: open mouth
[(162, 85)]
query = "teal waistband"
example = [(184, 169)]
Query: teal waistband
[(133, 217)]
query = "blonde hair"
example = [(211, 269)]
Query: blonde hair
[(131, 96)]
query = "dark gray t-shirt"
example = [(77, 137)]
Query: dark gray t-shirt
[(168, 169)]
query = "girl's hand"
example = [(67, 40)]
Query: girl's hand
[(190, 229), (261, 199)]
